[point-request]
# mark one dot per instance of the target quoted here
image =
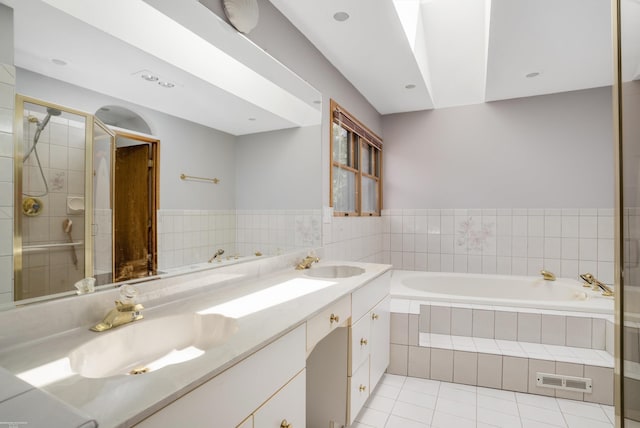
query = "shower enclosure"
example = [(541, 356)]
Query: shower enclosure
[(627, 109), (63, 157)]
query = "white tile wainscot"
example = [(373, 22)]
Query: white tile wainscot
[(502, 348), (506, 241)]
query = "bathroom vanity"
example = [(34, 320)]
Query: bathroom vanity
[(293, 349)]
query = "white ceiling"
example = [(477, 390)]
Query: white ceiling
[(455, 52), (107, 45), (460, 52)]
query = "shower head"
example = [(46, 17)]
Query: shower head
[(50, 112)]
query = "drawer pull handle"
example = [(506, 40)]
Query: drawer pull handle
[(285, 424), (374, 316), (362, 388), (334, 318), (363, 342)]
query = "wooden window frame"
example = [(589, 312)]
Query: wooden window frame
[(361, 137)]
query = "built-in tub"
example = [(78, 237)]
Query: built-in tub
[(498, 290)]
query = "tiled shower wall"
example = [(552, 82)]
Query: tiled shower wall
[(501, 241), (7, 102), (61, 149)]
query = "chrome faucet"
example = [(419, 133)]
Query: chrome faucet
[(593, 281), (307, 262), (216, 255), (126, 310), (548, 276)]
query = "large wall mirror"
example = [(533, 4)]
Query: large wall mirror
[(74, 65)]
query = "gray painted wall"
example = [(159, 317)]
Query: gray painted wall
[(185, 147), (6, 35), (279, 169), (548, 151)]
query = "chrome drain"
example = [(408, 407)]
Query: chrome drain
[(139, 370)]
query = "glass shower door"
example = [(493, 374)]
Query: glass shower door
[(628, 301)]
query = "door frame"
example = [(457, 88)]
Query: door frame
[(155, 189)]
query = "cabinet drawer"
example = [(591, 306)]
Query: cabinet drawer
[(287, 405), (358, 390), (335, 315), (367, 296), (359, 342), (228, 398)]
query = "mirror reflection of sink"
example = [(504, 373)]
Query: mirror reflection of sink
[(339, 271), (148, 345)]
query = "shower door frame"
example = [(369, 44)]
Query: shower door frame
[(18, 156)]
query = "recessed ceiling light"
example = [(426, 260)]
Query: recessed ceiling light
[(341, 16), (532, 75), (149, 77), (57, 61), (105, 109), (317, 102), (410, 86), (166, 84), (252, 119)]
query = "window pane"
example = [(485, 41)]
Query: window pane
[(341, 150), (344, 190), (369, 195), (366, 159)]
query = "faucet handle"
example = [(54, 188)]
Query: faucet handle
[(128, 292)]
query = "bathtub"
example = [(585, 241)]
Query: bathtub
[(563, 294)]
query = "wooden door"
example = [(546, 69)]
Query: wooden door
[(132, 212)]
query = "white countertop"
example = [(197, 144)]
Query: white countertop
[(122, 401)]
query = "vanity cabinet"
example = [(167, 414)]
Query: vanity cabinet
[(348, 363), (261, 391)]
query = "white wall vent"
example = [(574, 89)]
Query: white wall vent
[(569, 383)]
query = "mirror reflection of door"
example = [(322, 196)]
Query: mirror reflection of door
[(136, 178), (102, 222)]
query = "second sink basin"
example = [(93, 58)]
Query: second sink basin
[(338, 271), (148, 345)]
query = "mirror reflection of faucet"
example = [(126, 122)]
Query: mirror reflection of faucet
[(216, 255)]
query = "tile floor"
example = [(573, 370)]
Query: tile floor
[(407, 402)]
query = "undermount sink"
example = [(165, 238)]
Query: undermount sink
[(339, 271), (148, 345)]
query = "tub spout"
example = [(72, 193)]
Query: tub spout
[(593, 281), (548, 276)]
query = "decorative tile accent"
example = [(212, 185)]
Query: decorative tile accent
[(474, 235)]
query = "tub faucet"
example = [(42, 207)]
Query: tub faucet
[(593, 281), (216, 255), (307, 262), (548, 276), (126, 310)]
